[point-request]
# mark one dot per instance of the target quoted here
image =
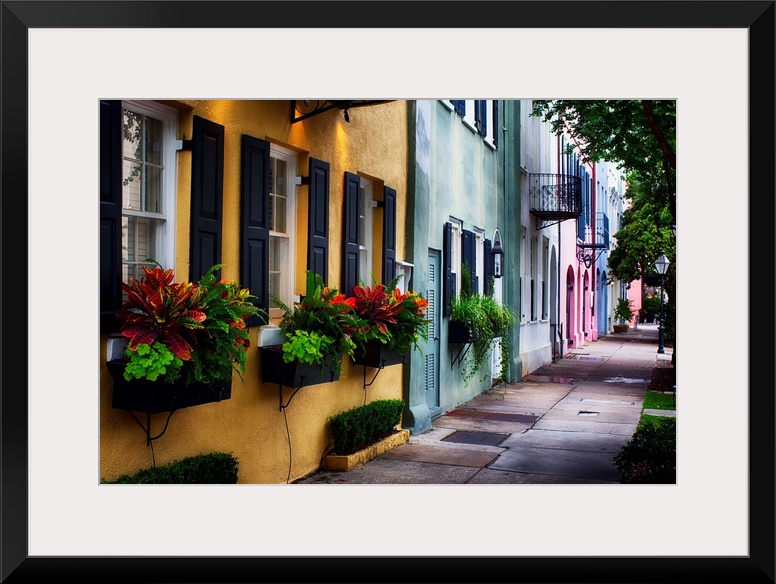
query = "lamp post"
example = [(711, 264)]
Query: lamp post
[(661, 265)]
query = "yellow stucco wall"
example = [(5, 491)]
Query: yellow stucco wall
[(250, 425)]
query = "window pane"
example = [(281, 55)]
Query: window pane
[(153, 189), (133, 132), (131, 185), (277, 211), (153, 144), (278, 176), (362, 218), (278, 257)]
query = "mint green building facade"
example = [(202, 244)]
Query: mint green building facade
[(462, 196)]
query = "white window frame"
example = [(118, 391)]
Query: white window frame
[(165, 235), (468, 116), (455, 253), (366, 250), (479, 235), (291, 159), (490, 138)]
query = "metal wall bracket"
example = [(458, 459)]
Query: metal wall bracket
[(459, 357), (147, 427), (280, 395)]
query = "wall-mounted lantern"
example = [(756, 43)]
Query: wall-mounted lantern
[(498, 255)]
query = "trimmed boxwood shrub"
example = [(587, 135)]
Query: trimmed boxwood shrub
[(650, 455), (204, 469), (358, 427)]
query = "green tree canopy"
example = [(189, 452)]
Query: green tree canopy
[(638, 135)]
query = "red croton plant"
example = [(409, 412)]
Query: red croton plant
[(183, 330), (395, 318)]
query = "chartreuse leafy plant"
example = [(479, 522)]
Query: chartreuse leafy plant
[(319, 326), (194, 332), (487, 320)]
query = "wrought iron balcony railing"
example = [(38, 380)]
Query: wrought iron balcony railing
[(592, 238), (555, 197)]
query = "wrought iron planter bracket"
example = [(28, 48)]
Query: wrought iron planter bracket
[(380, 368), (147, 427), (280, 395), (459, 357)]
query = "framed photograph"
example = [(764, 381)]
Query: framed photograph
[(716, 58)]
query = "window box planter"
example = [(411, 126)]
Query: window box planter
[(460, 333), (153, 397), (295, 374), (377, 355)]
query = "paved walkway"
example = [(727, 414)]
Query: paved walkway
[(564, 423)]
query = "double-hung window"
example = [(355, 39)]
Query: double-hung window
[(365, 231), (282, 211), (455, 253), (148, 166), (480, 261)]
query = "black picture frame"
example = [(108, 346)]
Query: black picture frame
[(17, 566)]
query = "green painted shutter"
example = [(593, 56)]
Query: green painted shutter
[(350, 275), (318, 219), (207, 189), (389, 234), (110, 213), (254, 222)]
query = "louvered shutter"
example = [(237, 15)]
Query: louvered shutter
[(110, 213), (350, 275), (389, 234), (481, 116), (207, 189), (448, 290), (459, 106), (318, 219), (254, 222), (488, 266)]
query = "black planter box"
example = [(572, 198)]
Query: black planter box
[(294, 374), (459, 333), (377, 355), (153, 397)]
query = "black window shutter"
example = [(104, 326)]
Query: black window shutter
[(481, 116), (389, 234), (207, 191), (495, 123), (488, 265), (254, 222), (110, 213), (449, 281), (350, 275), (469, 256), (318, 219)]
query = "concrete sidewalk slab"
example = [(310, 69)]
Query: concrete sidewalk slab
[(621, 429), (589, 441), (593, 414), (552, 461), (489, 476), (454, 455), (381, 471)]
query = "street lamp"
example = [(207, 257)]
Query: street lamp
[(661, 265)]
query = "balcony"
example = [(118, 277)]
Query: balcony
[(554, 197), (592, 238)]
